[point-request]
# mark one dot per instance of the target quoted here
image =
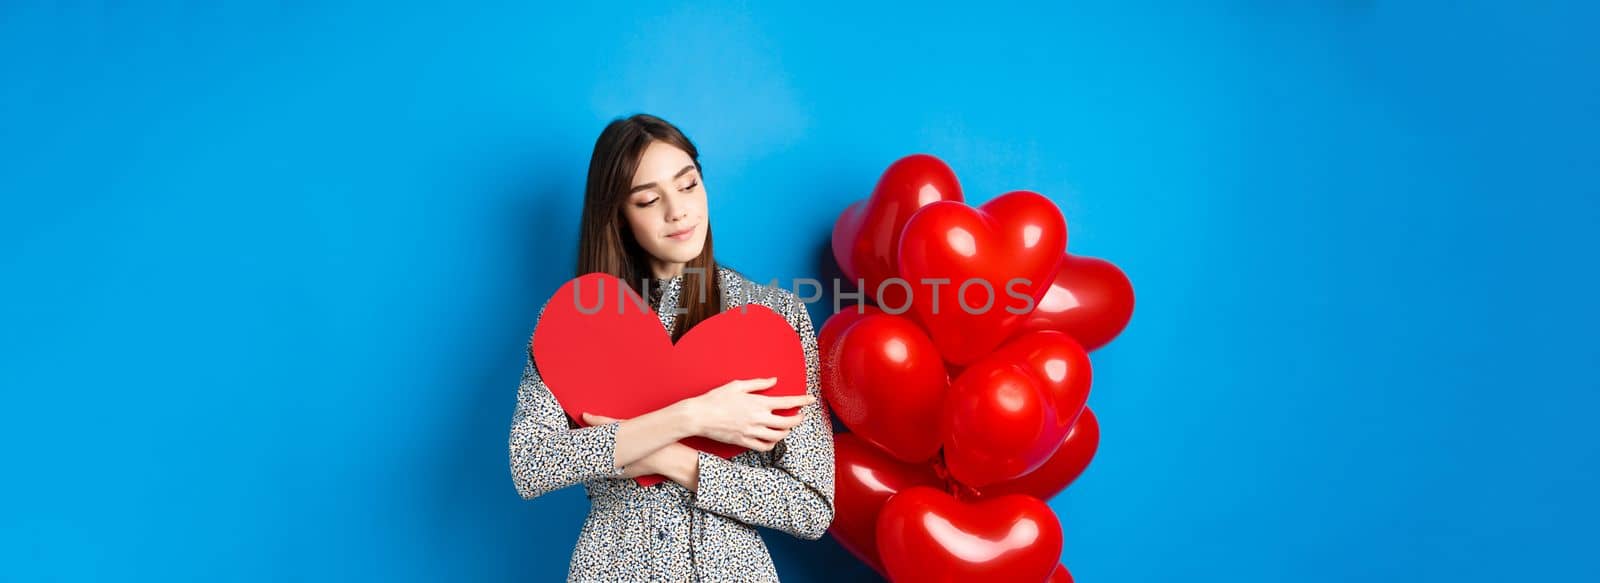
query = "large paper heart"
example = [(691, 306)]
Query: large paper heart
[(885, 380), (602, 350), (1089, 298), (925, 535), (867, 234), (865, 478), (1069, 462), (996, 260)]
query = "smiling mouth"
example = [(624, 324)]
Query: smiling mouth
[(682, 234)]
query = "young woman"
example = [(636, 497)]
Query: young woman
[(645, 221)]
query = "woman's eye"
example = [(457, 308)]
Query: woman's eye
[(691, 186), (646, 203)]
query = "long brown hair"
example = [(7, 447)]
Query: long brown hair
[(607, 245)]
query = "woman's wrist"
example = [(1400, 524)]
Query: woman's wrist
[(687, 417), (681, 464)]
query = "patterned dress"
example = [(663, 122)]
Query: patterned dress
[(666, 532)]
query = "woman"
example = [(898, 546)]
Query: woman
[(645, 221)]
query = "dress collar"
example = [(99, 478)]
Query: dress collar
[(671, 286), (659, 286)]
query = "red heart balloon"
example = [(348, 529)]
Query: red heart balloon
[(867, 234), (886, 382), (1059, 363), (925, 535), (595, 322), (982, 253), (1069, 462), (997, 425), (1006, 414), (1089, 298), (828, 334), (1060, 575), (864, 478)]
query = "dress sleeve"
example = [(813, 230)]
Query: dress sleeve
[(547, 451), (794, 492)]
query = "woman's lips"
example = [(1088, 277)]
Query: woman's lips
[(684, 234)]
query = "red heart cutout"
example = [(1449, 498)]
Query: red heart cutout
[(1069, 462), (602, 350), (865, 478), (1018, 235), (927, 535), (1089, 298), (866, 236), (884, 379)]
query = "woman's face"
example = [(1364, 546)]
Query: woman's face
[(667, 208)]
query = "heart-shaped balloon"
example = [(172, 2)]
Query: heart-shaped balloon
[(1069, 462), (1089, 298), (884, 379), (1059, 363), (864, 478), (601, 349), (975, 271), (1006, 414), (1060, 575), (867, 234), (828, 334), (998, 424), (925, 535)]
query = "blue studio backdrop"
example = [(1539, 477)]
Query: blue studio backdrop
[(269, 270)]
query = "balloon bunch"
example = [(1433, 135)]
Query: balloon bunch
[(964, 385)]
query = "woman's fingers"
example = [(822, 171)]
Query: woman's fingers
[(768, 434), (593, 419), (787, 402), (758, 445), (753, 385), (783, 421)]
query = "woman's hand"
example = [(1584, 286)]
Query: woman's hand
[(734, 414)]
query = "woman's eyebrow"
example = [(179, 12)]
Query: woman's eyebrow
[(649, 185)]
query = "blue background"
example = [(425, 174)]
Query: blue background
[(269, 270)]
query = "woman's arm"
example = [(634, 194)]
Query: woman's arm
[(548, 453), (729, 413), (641, 436), (795, 493)]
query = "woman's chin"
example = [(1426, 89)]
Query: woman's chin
[(684, 251)]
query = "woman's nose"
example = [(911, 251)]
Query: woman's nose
[(676, 209)]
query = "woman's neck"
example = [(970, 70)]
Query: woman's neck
[(661, 270)]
